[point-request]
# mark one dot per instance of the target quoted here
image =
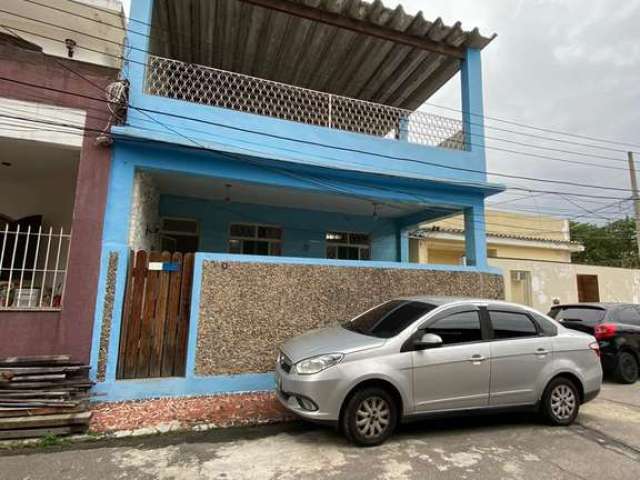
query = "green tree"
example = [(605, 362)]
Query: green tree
[(612, 244)]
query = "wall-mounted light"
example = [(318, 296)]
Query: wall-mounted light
[(227, 196), (71, 45)]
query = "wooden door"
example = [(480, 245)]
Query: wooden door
[(155, 318), (588, 290)]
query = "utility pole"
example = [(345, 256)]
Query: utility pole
[(636, 197)]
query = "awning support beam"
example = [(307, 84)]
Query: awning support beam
[(359, 26)]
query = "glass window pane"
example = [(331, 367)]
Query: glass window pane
[(276, 249), (359, 238), (389, 319), (185, 225), (587, 315), (332, 251), (628, 315), (458, 328), (239, 230), (336, 237), (262, 248), (512, 325), (235, 246), (274, 233), (365, 253)]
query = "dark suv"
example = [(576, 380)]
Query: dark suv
[(616, 326)]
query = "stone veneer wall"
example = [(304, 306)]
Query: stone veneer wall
[(144, 218), (248, 309), (107, 316)]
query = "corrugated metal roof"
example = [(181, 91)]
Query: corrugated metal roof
[(238, 36)]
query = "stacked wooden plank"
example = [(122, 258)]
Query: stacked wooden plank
[(43, 395)]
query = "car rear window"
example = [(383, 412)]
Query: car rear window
[(586, 315), (389, 319)]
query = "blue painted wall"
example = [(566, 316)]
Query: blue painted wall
[(303, 230)]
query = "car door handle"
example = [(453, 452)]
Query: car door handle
[(477, 358), (542, 351)]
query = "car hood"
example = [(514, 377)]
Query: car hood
[(328, 340)]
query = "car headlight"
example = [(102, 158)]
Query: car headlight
[(317, 364)]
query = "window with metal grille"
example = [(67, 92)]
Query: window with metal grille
[(33, 266), (348, 246), (251, 239), (179, 234)]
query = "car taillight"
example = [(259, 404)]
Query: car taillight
[(595, 347), (604, 331)]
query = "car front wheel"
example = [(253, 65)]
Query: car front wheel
[(626, 368), (561, 402), (370, 417)]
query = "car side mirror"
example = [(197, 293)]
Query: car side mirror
[(428, 340)]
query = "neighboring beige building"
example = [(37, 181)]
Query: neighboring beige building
[(534, 254), (509, 235)]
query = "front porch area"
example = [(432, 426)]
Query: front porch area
[(185, 213)]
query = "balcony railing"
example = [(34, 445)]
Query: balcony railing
[(33, 268), (235, 91)]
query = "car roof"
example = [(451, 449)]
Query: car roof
[(440, 301), (601, 305)]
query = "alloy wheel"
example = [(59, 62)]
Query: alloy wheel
[(373, 417), (563, 402)]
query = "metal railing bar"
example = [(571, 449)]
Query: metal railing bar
[(35, 257), (13, 257), (46, 264), (24, 263), (55, 273)]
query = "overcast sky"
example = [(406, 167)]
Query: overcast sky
[(568, 65)]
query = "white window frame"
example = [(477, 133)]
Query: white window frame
[(180, 232), (255, 238), (359, 246), (169, 235)]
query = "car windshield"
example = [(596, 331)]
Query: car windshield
[(587, 315), (389, 319)]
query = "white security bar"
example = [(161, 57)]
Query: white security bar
[(33, 267)]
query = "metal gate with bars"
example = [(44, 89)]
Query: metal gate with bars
[(155, 318)]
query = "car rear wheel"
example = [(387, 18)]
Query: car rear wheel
[(370, 417), (561, 402), (626, 368)]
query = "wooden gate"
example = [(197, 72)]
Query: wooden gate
[(155, 318)]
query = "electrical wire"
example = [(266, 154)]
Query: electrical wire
[(146, 112), (431, 207)]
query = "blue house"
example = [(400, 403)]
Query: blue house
[(281, 143)]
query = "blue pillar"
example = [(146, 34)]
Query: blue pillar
[(475, 236), (403, 129), (115, 238), (472, 106), (138, 41), (403, 245)]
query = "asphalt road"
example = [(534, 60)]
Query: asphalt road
[(605, 443)]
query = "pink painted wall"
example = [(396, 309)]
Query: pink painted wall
[(69, 330)]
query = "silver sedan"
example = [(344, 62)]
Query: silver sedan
[(412, 357)]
